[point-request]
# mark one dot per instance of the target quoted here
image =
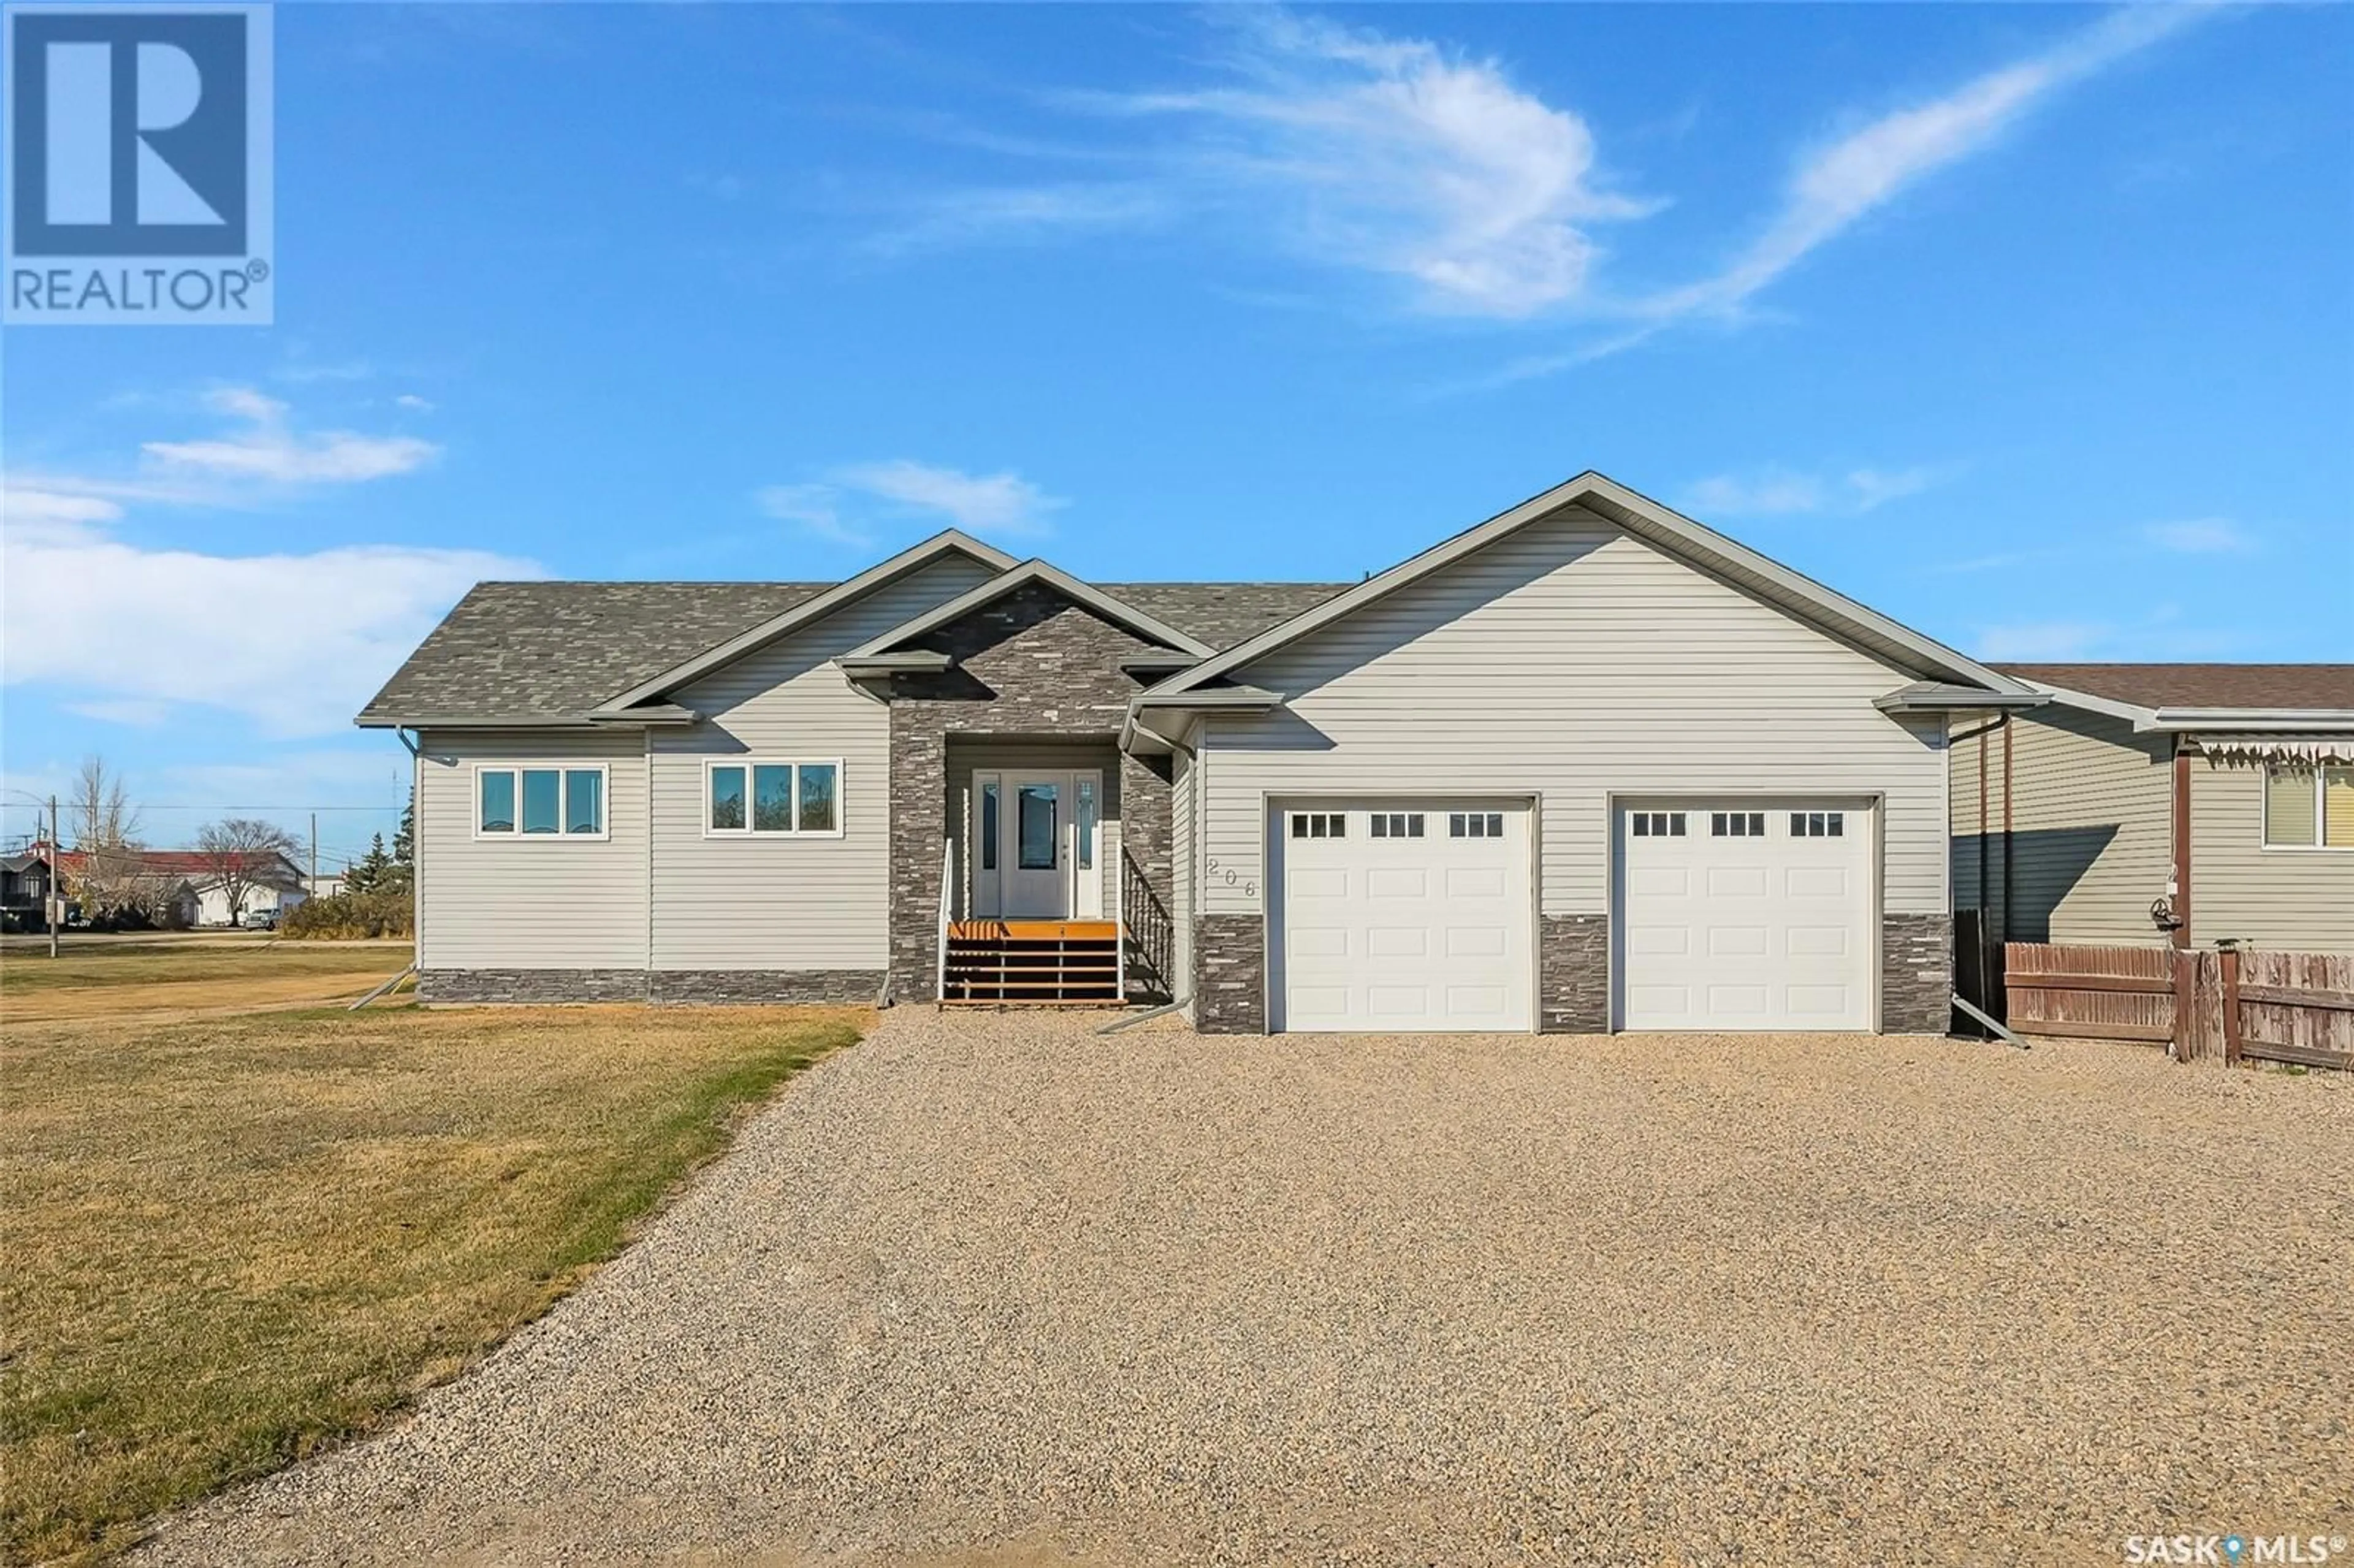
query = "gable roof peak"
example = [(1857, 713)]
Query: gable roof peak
[(883, 573), (1663, 528), (1036, 569)]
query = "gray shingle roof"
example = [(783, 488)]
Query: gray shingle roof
[(1222, 614), (535, 651), (530, 653)]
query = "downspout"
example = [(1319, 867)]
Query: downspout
[(2181, 889), (650, 864), (1986, 947), (416, 853), (2006, 863), (1986, 902)]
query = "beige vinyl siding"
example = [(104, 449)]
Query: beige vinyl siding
[(553, 903), (967, 758), (2092, 826), (1572, 661), (2298, 900), (787, 902)]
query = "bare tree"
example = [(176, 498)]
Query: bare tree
[(106, 834), (241, 853)]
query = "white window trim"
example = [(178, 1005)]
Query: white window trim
[(2320, 816), (841, 798), (546, 765)]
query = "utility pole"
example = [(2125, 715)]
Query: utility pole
[(57, 891), (312, 891)]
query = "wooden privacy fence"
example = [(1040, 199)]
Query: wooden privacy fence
[(2223, 1006)]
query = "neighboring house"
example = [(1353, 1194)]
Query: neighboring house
[(2157, 803), (275, 886), (186, 889), (326, 884), (1586, 766), (24, 888)]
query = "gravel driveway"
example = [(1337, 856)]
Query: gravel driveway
[(994, 1289)]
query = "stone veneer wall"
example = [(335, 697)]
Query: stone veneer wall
[(857, 985), (670, 986), (1574, 974), (1230, 974), (1030, 664), (1916, 974), (530, 985)]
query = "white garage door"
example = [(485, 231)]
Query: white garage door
[(1411, 915), (1743, 914)]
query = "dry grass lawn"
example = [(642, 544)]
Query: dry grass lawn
[(96, 978), (231, 1239)]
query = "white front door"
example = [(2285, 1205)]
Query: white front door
[(1045, 863), (1037, 874), (1407, 914), (1744, 915)]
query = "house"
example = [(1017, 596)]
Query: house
[(1586, 766), (273, 885), (185, 887), (2149, 804), (25, 889)]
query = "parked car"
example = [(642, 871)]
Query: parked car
[(260, 920)]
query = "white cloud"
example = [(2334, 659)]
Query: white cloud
[(996, 503), (2200, 536), (855, 500), (816, 507), (413, 403), (1872, 487), (2034, 640), (1022, 213), (1779, 492), (1841, 182), (295, 641), (27, 508), (268, 451), (1395, 156), (136, 712)]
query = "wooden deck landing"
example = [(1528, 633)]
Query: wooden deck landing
[(1032, 963)]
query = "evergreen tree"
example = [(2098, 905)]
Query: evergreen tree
[(400, 875), (367, 873)]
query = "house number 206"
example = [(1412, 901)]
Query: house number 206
[(1227, 877)]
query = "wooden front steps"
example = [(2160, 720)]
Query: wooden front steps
[(1032, 963)]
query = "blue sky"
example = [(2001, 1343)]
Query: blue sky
[(2031, 326)]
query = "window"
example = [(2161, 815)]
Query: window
[(773, 798), (1397, 824), (989, 826), (2309, 808), (542, 788), (819, 812), (1475, 825), (1084, 822), (1736, 824), (584, 800), (540, 802), (1035, 808), (1658, 824), (1320, 825), (1818, 824), (498, 803)]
